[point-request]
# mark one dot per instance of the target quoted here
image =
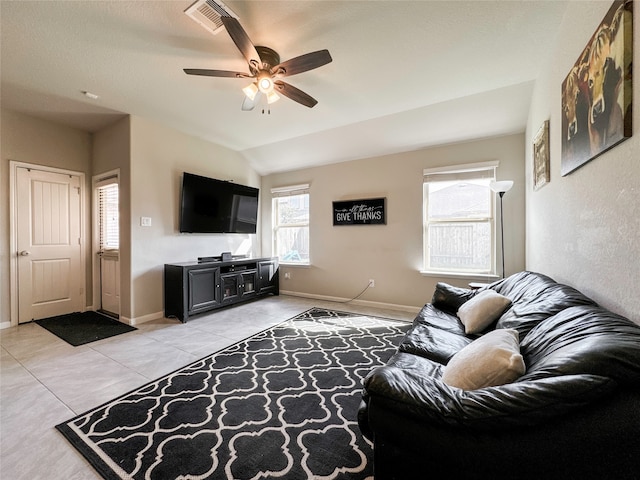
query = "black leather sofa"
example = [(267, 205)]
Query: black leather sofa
[(574, 414)]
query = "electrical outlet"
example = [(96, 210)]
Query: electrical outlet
[(372, 283), (287, 275)]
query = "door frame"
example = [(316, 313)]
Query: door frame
[(95, 244), (13, 230)]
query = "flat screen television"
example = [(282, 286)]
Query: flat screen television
[(208, 205)]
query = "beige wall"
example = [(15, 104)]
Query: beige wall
[(584, 228), (151, 159), (159, 156), (30, 140), (345, 258), (111, 151)]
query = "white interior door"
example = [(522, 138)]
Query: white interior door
[(50, 277), (110, 282)]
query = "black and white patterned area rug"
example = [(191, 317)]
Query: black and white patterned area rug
[(281, 404)]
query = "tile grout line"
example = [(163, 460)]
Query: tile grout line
[(39, 381)]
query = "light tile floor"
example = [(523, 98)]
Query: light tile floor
[(45, 381)]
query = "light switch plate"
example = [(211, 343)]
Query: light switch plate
[(145, 221)]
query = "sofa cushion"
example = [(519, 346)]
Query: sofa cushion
[(434, 317), (522, 286), (449, 298), (482, 310), (584, 340), (535, 297), (433, 343), (493, 359)]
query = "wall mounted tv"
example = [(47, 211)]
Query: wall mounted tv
[(208, 205)]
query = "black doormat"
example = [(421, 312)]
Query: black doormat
[(84, 327), (281, 404)]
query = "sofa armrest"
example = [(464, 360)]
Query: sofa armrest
[(506, 406), (449, 298)]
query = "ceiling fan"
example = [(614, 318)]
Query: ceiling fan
[(266, 69)]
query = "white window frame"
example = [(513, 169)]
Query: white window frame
[(454, 172), (289, 191)]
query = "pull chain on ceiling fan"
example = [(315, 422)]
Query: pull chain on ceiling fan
[(266, 69)]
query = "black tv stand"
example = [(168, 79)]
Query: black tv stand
[(219, 258), (197, 287)]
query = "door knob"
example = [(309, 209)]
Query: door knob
[(24, 253)]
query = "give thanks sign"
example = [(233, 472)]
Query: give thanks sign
[(370, 211)]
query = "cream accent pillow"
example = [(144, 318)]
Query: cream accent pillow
[(479, 312), (493, 359)]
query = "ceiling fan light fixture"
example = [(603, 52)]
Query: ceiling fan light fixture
[(265, 67), (251, 91), (265, 84), (272, 97)]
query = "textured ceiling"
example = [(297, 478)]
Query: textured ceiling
[(404, 75)]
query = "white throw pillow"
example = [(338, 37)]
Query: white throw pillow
[(493, 359), (479, 312)]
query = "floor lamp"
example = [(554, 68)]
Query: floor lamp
[(501, 188)]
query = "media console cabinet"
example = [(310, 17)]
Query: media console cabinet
[(196, 287)]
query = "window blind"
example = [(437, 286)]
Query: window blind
[(461, 172), (108, 217), (290, 191)]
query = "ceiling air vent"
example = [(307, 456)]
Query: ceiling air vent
[(208, 13)]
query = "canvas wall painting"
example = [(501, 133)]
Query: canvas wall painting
[(596, 94)]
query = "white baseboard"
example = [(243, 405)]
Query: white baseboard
[(364, 303), (144, 318), (129, 321)]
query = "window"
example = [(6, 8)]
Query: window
[(108, 216), (291, 224), (458, 219)]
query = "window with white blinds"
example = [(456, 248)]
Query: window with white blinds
[(108, 217), (459, 233), (290, 217)]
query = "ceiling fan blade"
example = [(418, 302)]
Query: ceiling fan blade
[(303, 63), (215, 73), (242, 41), (295, 94), (248, 104)]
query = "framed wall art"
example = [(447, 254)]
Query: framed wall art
[(370, 211), (596, 94), (541, 161)]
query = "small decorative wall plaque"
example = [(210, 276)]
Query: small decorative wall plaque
[(369, 211), (541, 175)]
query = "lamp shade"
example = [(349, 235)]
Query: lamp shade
[(501, 186), (272, 97), (250, 91)]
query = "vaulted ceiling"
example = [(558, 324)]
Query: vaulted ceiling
[(405, 74)]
